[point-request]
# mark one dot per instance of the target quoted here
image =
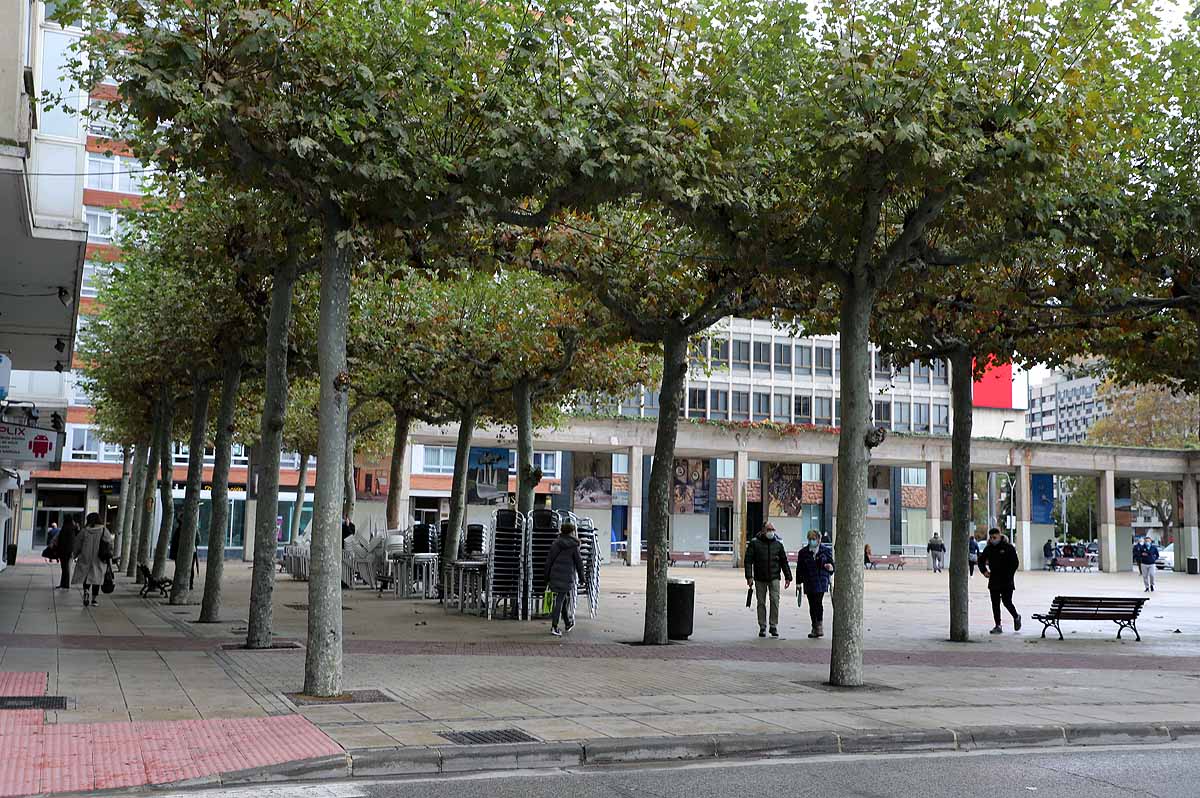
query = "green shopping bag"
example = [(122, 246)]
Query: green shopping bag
[(547, 602)]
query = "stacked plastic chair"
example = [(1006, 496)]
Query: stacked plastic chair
[(589, 550), (544, 528), (507, 571)]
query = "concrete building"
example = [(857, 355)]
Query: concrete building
[(1064, 407), (42, 238)]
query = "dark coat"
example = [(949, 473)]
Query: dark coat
[(64, 542), (810, 569), (563, 563), (766, 558), (1000, 563)]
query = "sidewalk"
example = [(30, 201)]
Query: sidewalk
[(143, 669)]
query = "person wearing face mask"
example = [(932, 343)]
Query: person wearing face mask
[(765, 559), (999, 563), (814, 567)]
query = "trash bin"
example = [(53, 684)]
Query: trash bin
[(681, 604), (1193, 567), (11, 554)]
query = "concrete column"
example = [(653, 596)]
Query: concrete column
[(933, 497), (635, 505), (92, 500), (1189, 537), (1024, 513), (741, 472), (1108, 521), (832, 487)]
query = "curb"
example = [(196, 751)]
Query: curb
[(452, 759)]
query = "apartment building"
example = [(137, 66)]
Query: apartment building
[(90, 179), (42, 240), (1064, 407)]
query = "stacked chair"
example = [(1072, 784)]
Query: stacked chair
[(508, 564)]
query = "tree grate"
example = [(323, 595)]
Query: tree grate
[(33, 702), (491, 737), (304, 608), (349, 697)]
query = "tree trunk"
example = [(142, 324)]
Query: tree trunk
[(960, 494), (137, 488), (166, 457), (185, 547), (323, 656), (458, 491), (396, 469), (146, 500), (349, 491), (301, 487), (526, 483), (846, 658), (658, 496), (262, 580), (218, 526), (125, 512)]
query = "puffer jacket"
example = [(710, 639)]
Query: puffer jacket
[(810, 569), (563, 563), (765, 559)]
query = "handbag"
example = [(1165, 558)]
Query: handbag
[(547, 602), (108, 585)]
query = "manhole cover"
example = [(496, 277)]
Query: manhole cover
[(276, 646), (33, 702), (304, 608), (488, 737), (350, 697)]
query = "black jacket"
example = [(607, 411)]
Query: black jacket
[(1000, 563), (64, 544), (563, 562), (765, 559)]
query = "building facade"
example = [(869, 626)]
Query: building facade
[(1064, 407)]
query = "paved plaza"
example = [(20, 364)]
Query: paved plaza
[(139, 661)]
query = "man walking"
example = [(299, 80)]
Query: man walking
[(765, 559), (999, 563), (936, 549), (1145, 554)]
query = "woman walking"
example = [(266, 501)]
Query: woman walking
[(814, 567), (93, 550), (563, 564)]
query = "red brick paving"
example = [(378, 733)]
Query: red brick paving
[(79, 757), (15, 683)]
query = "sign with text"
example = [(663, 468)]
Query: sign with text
[(29, 445)]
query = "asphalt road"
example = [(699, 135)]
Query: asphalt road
[(1148, 772)]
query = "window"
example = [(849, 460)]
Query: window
[(438, 460), (720, 353), (85, 444), (837, 412), (941, 419), (546, 461), (741, 405), (100, 169), (883, 412), (803, 409), (902, 416), (93, 274), (103, 223), (913, 476), (632, 406), (837, 361), (782, 408), (941, 372), (724, 468), (762, 355), (99, 123), (741, 355), (718, 404), (783, 358), (755, 470), (810, 472), (883, 368), (698, 353), (824, 408), (650, 403), (697, 402), (825, 361), (920, 372), (902, 374), (620, 463), (804, 359), (920, 417), (762, 406), (53, 118)]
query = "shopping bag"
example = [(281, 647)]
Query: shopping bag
[(547, 602), (108, 585)]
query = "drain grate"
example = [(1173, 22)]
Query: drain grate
[(349, 697), (33, 702), (488, 737)]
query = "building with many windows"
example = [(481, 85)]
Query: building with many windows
[(1064, 407)]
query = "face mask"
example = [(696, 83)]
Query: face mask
[(812, 544)]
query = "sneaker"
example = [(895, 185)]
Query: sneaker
[(774, 632), (96, 601), (997, 631), (762, 632), (570, 626), (1017, 624), (555, 632)]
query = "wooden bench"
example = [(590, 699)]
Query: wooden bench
[(698, 559), (1123, 612), (150, 584), (890, 560), (1072, 564)]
